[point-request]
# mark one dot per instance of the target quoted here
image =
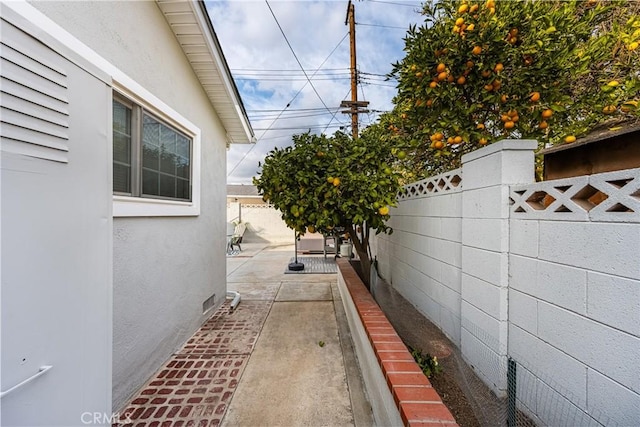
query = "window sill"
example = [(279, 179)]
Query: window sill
[(124, 206)]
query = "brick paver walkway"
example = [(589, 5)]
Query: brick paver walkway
[(195, 386)]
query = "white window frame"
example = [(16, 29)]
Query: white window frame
[(131, 206)]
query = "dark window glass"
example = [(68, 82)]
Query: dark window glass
[(121, 148)]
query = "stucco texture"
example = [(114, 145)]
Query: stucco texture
[(164, 268)]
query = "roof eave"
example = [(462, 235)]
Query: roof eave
[(192, 27)]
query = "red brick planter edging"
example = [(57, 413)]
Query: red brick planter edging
[(418, 403)]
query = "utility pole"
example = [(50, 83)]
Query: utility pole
[(354, 107)]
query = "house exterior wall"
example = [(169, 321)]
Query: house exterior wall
[(553, 286), (56, 232), (164, 267)]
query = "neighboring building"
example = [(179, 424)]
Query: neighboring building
[(116, 117), (246, 194)]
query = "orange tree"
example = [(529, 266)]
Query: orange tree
[(322, 183), (476, 72)]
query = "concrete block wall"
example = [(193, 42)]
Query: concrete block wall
[(422, 258), (485, 253), (544, 273), (574, 297), (264, 223)]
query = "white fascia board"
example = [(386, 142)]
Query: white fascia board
[(217, 55)]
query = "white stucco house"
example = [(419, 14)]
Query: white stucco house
[(115, 119)]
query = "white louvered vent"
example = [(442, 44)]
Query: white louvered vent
[(33, 97)]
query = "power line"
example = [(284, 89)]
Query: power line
[(288, 105), (292, 109), (287, 70), (274, 79), (381, 26), (294, 54), (396, 4), (306, 127)]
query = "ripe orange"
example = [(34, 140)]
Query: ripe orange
[(429, 102), (433, 85), (480, 126), (438, 145), (471, 27), (419, 74), (543, 125), (488, 88), (469, 64), (336, 182), (503, 98), (505, 118), (569, 139), (457, 139), (483, 141), (499, 67), (477, 50), (441, 67), (547, 113), (509, 125), (461, 80), (609, 109), (442, 76), (535, 97), (633, 46), (462, 9), (629, 106), (486, 73), (384, 210), (450, 78)]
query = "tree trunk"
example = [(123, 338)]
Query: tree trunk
[(361, 244)]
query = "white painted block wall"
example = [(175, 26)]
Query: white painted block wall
[(574, 305), (487, 174), (423, 256), (557, 291), (264, 224)]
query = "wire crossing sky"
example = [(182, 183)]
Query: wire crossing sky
[(290, 62)]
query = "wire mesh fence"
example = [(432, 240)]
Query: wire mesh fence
[(506, 389), (502, 387)]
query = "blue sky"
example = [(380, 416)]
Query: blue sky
[(269, 77)]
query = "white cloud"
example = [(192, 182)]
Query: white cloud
[(251, 40)]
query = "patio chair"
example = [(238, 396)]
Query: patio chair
[(236, 238)]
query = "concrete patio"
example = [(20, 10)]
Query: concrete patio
[(284, 357)]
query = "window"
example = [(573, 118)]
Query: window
[(151, 158)]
